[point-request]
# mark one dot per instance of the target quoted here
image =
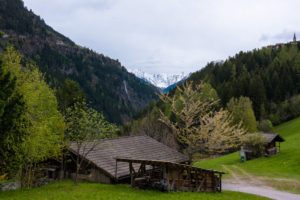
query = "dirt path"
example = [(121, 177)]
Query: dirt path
[(242, 181)]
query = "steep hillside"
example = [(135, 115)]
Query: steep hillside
[(269, 76), (106, 83)]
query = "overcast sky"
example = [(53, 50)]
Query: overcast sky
[(171, 36)]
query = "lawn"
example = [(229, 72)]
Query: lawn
[(285, 165), (66, 190)]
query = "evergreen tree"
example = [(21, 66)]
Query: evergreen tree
[(241, 110), (69, 94), (12, 122)]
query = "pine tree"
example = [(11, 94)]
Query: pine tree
[(12, 123), (241, 110)]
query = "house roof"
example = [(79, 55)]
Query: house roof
[(135, 147), (270, 137)]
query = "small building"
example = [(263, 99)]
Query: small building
[(272, 143), (170, 176), (145, 163), (100, 162), (271, 147)]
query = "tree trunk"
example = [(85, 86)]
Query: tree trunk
[(77, 169), (61, 174)]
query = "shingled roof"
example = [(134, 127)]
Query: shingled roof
[(270, 137), (135, 147)]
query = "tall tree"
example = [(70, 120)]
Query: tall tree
[(242, 111), (69, 94), (46, 123), (257, 93), (85, 127), (12, 119)]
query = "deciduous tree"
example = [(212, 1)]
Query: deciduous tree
[(197, 122), (85, 127)]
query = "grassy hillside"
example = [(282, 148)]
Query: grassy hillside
[(67, 190), (285, 165)]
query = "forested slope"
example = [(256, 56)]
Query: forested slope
[(270, 77), (106, 83)]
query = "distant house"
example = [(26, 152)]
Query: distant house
[(143, 161), (271, 146)]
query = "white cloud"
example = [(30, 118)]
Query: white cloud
[(170, 36)]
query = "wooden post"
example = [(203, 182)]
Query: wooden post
[(131, 174), (144, 168), (205, 182), (165, 176), (220, 179), (196, 180), (116, 171), (213, 182), (164, 171)]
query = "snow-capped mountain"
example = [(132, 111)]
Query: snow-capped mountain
[(159, 80)]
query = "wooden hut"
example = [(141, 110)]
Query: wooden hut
[(272, 143), (170, 176), (271, 146), (100, 164)]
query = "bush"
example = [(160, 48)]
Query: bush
[(295, 106), (2, 178), (265, 126), (255, 143)]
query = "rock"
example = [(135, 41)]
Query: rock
[(9, 186)]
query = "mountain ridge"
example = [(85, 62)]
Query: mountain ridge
[(106, 83), (160, 80)]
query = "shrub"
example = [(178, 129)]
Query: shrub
[(265, 125), (255, 143)]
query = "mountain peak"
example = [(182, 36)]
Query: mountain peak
[(160, 80)]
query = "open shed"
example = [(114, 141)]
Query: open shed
[(170, 176)]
